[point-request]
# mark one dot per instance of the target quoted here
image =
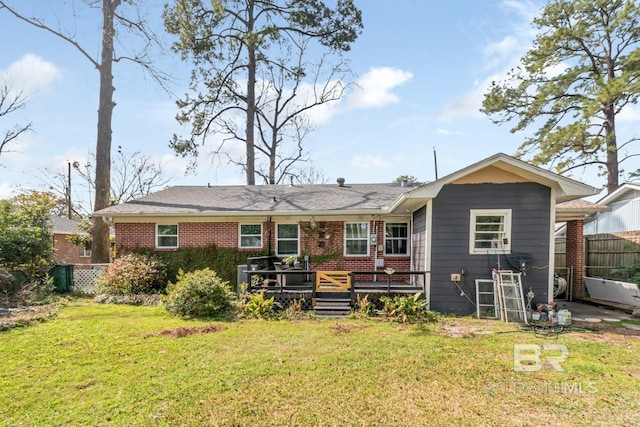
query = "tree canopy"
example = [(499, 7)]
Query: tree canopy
[(25, 231), (244, 54), (119, 17), (581, 72)]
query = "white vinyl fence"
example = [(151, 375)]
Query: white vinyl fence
[(84, 278)]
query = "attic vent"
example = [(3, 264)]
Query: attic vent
[(340, 182)]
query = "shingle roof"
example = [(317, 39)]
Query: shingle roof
[(64, 225), (237, 199)]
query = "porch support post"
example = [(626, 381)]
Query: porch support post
[(575, 255)]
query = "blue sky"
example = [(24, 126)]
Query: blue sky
[(421, 66)]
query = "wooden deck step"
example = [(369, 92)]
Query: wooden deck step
[(332, 307)]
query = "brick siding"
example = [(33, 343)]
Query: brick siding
[(66, 252), (326, 238), (575, 255)]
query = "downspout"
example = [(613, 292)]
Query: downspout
[(269, 225), (375, 253)]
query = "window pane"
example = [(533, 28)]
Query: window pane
[(168, 229), (396, 230), (357, 230), (166, 241), (250, 229), (250, 242), (396, 238), (287, 247), (287, 231), (356, 247), (490, 231)]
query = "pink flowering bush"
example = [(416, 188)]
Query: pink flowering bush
[(133, 274)]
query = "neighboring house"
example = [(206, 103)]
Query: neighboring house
[(623, 216), (483, 216), (66, 252)]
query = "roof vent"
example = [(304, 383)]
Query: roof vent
[(340, 182)]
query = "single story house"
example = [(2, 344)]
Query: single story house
[(66, 252), (623, 215), (497, 213)]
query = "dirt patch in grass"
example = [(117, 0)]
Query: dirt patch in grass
[(185, 332), (605, 332), (341, 328)]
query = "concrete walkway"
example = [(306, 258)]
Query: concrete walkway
[(592, 313)]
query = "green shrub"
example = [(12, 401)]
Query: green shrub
[(258, 307), (364, 307), (139, 299), (294, 311), (199, 293), (133, 274), (7, 282), (223, 261), (35, 291), (408, 309)]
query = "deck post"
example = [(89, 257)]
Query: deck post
[(353, 287)]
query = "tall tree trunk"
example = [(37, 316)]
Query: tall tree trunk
[(100, 229), (251, 97), (612, 149)]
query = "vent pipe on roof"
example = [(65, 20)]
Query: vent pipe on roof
[(340, 182)]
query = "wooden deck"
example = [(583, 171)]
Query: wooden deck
[(354, 282)]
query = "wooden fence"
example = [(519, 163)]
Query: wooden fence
[(609, 256)]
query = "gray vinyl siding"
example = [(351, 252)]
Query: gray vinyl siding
[(419, 243), (420, 220), (530, 231)]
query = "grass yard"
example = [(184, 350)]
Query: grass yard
[(104, 365)]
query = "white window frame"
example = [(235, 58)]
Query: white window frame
[(405, 223), (347, 239), (158, 235), (240, 236), (501, 245), (278, 239), (84, 252)]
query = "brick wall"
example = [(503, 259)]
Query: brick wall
[(575, 255), (66, 252), (134, 235), (324, 242)]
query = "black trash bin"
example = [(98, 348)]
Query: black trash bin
[(62, 277)]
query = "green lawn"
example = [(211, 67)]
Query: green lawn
[(121, 365)]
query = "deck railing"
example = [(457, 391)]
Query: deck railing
[(360, 282)]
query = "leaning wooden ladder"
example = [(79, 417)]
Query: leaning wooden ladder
[(511, 296)]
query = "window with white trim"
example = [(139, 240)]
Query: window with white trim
[(166, 235), (356, 238), (250, 236), (287, 239), (396, 238), (85, 252), (490, 231)]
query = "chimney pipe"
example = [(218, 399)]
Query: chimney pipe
[(340, 182)]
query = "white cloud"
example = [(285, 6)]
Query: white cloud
[(374, 89), (447, 132), (629, 114), (7, 191), (31, 74), (499, 57)]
